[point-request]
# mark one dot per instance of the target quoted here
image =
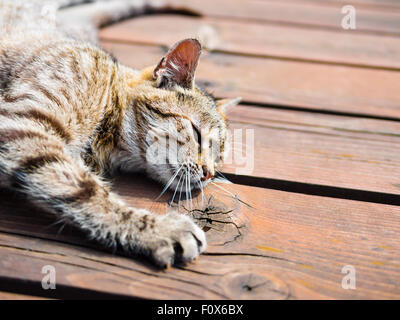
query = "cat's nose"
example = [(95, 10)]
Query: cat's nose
[(206, 174)]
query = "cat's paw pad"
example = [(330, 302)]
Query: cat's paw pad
[(179, 240)]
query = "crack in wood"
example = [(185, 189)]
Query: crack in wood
[(213, 215), (248, 254)]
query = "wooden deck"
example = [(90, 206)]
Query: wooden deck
[(324, 104)]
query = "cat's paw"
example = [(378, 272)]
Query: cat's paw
[(174, 239)]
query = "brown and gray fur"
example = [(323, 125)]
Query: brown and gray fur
[(70, 115)]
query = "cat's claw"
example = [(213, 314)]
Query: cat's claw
[(178, 240)]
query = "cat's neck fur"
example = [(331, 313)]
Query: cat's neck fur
[(108, 142), (115, 140)]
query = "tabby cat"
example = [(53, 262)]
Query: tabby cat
[(70, 115)]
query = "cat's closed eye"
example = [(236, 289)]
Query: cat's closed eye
[(197, 134), (73, 115)]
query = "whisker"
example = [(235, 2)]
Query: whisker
[(187, 193), (60, 221), (169, 182), (202, 191), (221, 180), (190, 192), (220, 173), (180, 194), (225, 179), (234, 196), (61, 229), (176, 189)]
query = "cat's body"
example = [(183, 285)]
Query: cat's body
[(69, 113)]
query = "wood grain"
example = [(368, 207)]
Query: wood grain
[(287, 83), (372, 4), (329, 150), (342, 47), (291, 246), (16, 296), (263, 244), (314, 13)]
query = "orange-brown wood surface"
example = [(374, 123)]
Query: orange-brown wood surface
[(372, 4), (16, 296), (262, 40), (319, 149), (287, 245), (324, 189), (285, 83), (315, 13)]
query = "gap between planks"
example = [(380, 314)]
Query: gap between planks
[(380, 5), (302, 14), (279, 42), (284, 246), (284, 83), (348, 157), (347, 186)]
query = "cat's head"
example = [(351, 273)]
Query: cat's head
[(181, 130)]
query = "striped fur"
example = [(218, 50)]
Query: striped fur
[(70, 114)]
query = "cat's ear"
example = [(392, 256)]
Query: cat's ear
[(226, 105), (179, 65)]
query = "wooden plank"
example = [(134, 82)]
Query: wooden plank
[(290, 246), (288, 83), (16, 296), (337, 151), (302, 13), (266, 40), (373, 4)]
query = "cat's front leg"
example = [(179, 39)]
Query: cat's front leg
[(81, 198), (167, 239), (35, 163)]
